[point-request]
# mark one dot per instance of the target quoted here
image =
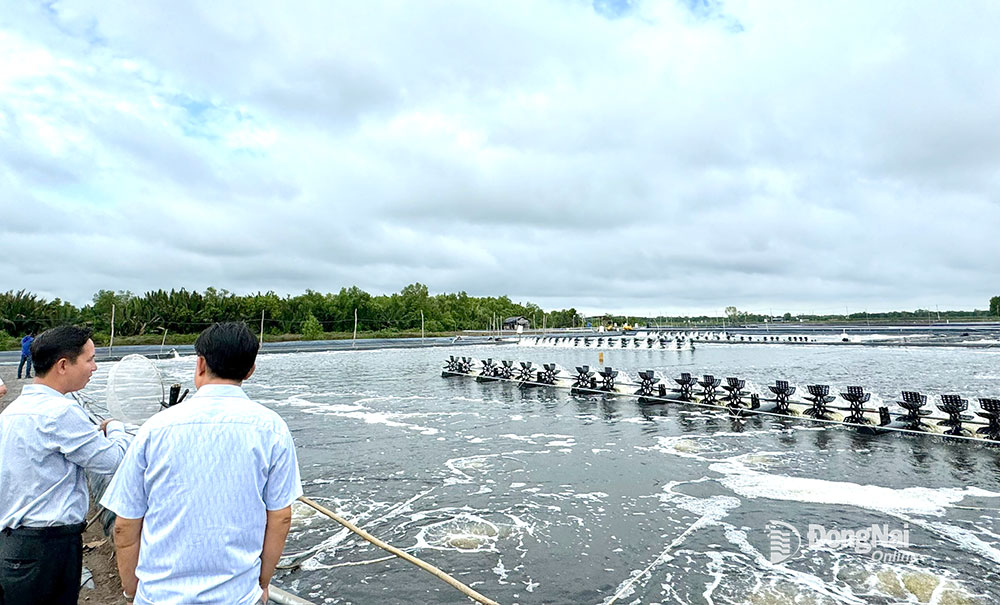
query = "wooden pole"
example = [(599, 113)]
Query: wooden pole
[(111, 343), (261, 328), (399, 553), (421, 326), (354, 342)]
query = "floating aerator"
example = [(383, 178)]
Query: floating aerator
[(489, 368), (506, 369), (647, 380), (686, 382), (608, 376), (708, 385), (856, 398), (548, 374), (781, 392), (734, 391), (524, 374), (912, 402), (819, 395), (991, 412), (953, 405), (584, 378)]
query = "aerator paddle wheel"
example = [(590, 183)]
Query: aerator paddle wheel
[(525, 373), (584, 378), (819, 396), (991, 412), (457, 365), (734, 391), (506, 369), (686, 382), (856, 398), (953, 405), (608, 376), (647, 381), (912, 402), (782, 391), (708, 385), (547, 375), (489, 368)]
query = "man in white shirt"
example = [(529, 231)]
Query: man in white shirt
[(46, 442), (3, 388), (204, 494)]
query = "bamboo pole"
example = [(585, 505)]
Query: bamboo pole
[(472, 594), (281, 597)]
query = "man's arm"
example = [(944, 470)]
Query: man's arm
[(85, 444), (275, 532), (128, 533)]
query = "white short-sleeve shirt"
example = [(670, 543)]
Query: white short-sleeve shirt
[(202, 475)]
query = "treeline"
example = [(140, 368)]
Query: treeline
[(311, 314)]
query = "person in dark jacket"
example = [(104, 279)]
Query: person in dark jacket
[(26, 354)]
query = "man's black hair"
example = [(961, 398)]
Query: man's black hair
[(229, 349), (52, 345)]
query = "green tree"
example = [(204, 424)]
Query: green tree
[(311, 328)]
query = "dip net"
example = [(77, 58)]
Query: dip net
[(135, 390)]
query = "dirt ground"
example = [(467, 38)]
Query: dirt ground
[(98, 550)]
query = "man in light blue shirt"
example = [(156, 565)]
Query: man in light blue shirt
[(46, 442), (204, 494)]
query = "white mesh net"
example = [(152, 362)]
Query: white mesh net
[(135, 390)]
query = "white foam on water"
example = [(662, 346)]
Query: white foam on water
[(388, 419), (711, 510), (750, 483), (965, 539), (716, 570), (560, 440), (500, 571), (477, 464), (567, 443), (840, 594), (465, 532)]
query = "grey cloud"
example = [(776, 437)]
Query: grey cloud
[(817, 157)]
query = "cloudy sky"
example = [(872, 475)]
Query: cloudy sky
[(673, 156)]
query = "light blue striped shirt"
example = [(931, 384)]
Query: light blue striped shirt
[(46, 442), (202, 475)]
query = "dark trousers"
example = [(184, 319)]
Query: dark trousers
[(41, 566), (24, 359)]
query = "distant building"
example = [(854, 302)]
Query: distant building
[(511, 323)]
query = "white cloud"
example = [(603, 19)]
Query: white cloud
[(791, 156)]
